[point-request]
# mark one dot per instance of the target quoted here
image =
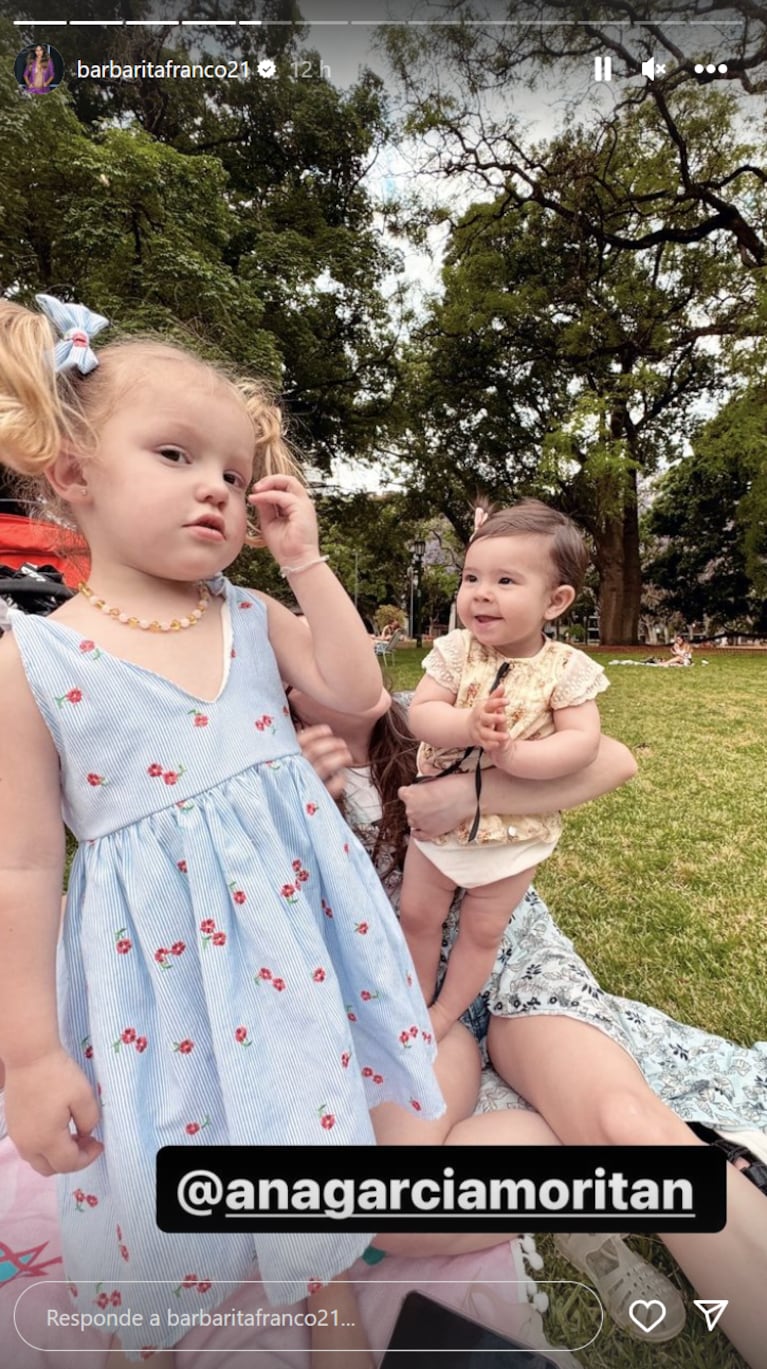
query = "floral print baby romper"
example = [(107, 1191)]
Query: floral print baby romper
[(230, 972)]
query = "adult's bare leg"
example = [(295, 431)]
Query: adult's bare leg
[(592, 1093)]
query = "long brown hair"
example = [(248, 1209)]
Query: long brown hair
[(392, 753), (392, 757)]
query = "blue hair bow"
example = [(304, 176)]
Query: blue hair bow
[(77, 325)]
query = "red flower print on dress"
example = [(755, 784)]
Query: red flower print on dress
[(351, 1015), (192, 1128), (204, 1286), (413, 1031), (279, 984), (241, 1037), (123, 944), (154, 770), (244, 603), (367, 1073), (327, 1120), (314, 1286), (415, 1105), (264, 974), (346, 848), (124, 1253), (73, 696), (265, 722), (96, 780), (318, 975), (141, 1044), (188, 1281), (178, 948), (362, 928), (200, 719), (89, 648), (297, 864), (208, 927), (128, 1037), (81, 1197), (87, 1047), (238, 895), (326, 908), (161, 956), (378, 1078), (311, 809), (345, 1058), (182, 866), (405, 1038), (366, 995), (184, 1047), (288, 892), (302, 876)]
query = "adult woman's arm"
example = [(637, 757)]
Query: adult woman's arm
[(435, 808)]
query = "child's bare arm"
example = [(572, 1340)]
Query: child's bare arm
[(44, 1088), (573, 745), (433, 717)]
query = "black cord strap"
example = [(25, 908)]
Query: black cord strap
[(501, 674)]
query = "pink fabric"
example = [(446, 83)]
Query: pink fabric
[(31, 1270)]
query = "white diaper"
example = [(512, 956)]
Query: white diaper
[(469, 867)]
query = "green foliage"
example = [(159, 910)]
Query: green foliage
[(708, 522), (233, 212)]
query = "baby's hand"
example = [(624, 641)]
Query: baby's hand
[(41, 1099), (287, 519), (487, 722)]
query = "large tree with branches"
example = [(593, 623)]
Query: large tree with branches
[(648, 276)]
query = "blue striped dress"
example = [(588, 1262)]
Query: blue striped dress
[(230, 970)]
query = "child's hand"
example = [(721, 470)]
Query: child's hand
[(41, 1099), (487, 722), (287, 519), (328, 754)]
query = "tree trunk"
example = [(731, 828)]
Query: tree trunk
[(620, 575)]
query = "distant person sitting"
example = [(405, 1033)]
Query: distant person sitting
[(681, 652)]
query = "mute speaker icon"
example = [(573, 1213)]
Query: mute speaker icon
[(648, 69)]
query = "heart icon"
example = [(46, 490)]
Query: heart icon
[(641, 1312)]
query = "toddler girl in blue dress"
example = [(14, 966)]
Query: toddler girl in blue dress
[(230, 971)]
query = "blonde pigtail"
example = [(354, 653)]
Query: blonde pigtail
[(33, 413)]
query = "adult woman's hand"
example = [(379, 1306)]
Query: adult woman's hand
[(433, 809), (328, 754)]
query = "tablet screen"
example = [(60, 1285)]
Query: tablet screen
[(424, 1324)]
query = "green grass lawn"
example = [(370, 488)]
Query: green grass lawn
[(662, 887)]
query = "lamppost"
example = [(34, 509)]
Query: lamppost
[(417, 552)]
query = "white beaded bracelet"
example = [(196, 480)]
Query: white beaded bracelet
[(285, 571)]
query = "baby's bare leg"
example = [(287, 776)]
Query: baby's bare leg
[(485, 911), (424, 905)]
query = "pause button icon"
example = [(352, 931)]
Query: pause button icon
[(603, 68)]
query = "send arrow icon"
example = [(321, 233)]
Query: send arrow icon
[(712, 1309)]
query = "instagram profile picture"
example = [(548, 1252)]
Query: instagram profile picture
[(38, 69)]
